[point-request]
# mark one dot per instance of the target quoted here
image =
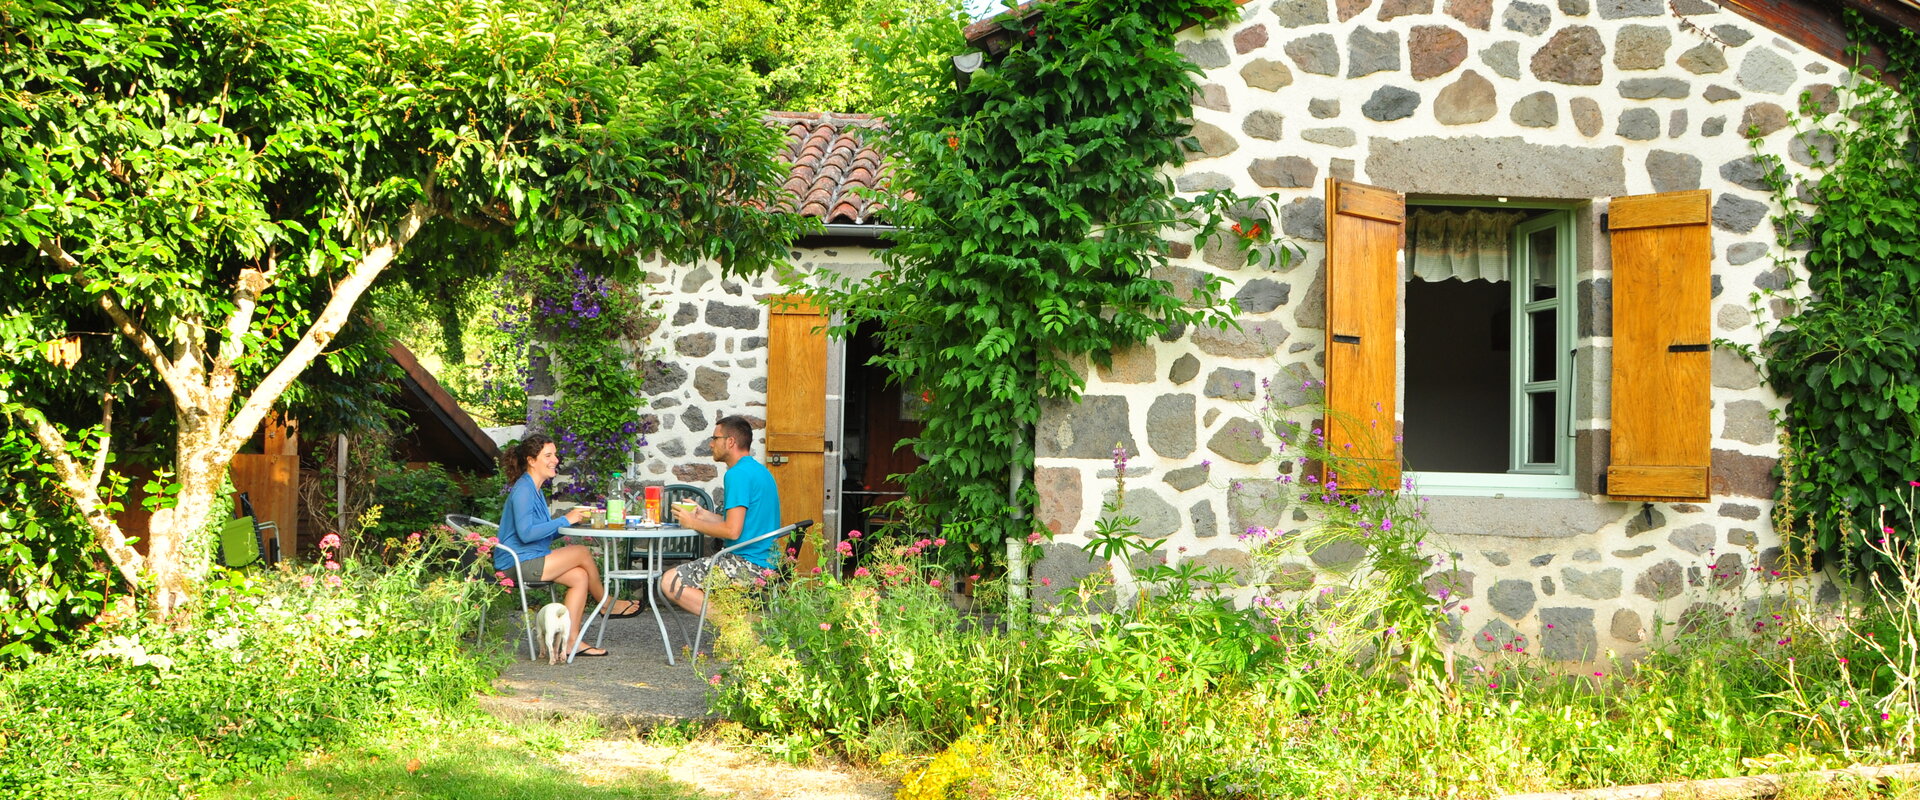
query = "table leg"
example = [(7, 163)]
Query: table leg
[(607, 582), (606, 595), (654, 595)]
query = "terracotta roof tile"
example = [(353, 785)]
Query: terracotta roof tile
[(829, 157)]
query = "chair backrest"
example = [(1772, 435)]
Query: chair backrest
[(463, 525), (684, 546), (239, 543), (676, 492), (798, 530)]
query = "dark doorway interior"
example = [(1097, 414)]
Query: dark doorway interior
[(878, 416)]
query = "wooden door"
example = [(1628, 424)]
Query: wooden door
[(272, 482), (797, 415), (1365, 227), (1662, 276)]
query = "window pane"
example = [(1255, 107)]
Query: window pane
[(1544, 344), (1544, 262), (1540, 428)]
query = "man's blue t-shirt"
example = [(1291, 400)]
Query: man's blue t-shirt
[(750, 486)]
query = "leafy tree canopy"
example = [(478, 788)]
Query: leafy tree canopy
[(202, 191), (800, 55)]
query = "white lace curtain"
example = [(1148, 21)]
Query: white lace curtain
[(1460, 245)]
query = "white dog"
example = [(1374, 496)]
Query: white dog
[(555, 624)]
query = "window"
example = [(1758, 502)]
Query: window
[(1656, 440), (1489, 341)]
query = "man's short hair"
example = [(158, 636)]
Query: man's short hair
[(739, 428)]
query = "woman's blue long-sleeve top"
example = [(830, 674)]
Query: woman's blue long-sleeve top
[(526, 525)]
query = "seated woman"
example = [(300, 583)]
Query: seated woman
[(528, 528)]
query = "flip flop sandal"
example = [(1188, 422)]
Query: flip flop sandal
[(588, 652), (637, 608)]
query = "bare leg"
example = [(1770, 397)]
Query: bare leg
[(577, 556), (579, 584)]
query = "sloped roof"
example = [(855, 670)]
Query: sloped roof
[(443, 431), (830, 156)]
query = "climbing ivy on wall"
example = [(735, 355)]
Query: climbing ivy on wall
[(1033, 199), (582, 321), (1847, 357)]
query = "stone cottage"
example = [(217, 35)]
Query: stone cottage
[(1525, 224)]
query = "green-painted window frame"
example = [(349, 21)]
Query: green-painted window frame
[(1525, 477)]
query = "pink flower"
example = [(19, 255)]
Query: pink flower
[(853, 534), (506, 583), (1046, 581), (766, 573), (306, 581), (861, 572), (714, 680), (333, 581), (826, 626), (329, 541), (935, 583), (874, 631), (413, 537), (333, 565), (845, 548), (1844, 704), (939, 543), (1033, 538)]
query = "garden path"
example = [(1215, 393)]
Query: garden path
[(724, 771), (632, 690)]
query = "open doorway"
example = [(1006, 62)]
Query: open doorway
[(877, 416)]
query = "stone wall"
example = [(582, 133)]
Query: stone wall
[(1574, 100), (709, 358)]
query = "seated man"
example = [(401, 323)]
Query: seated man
[(753, 508)]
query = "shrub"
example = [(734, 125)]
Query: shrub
[(51, 575), (275, 664)]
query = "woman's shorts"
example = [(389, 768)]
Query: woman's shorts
[(531, 568), (732, 569)]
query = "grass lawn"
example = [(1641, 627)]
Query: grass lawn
[(470, 757)]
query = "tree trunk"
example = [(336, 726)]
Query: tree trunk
[(208, 430), (176, 548)]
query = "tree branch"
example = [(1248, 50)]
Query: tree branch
[(123, 322), (106, 428), (325, 326), (221, 381), (86, 497)]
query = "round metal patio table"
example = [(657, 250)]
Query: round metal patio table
[(649, 575)]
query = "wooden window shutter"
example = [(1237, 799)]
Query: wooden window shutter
[(1662, 256), (1365, 226)]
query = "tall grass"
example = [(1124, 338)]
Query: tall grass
[(1178, 692), (276, 663)]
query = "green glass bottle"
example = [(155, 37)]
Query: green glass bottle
[(616, 504)]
